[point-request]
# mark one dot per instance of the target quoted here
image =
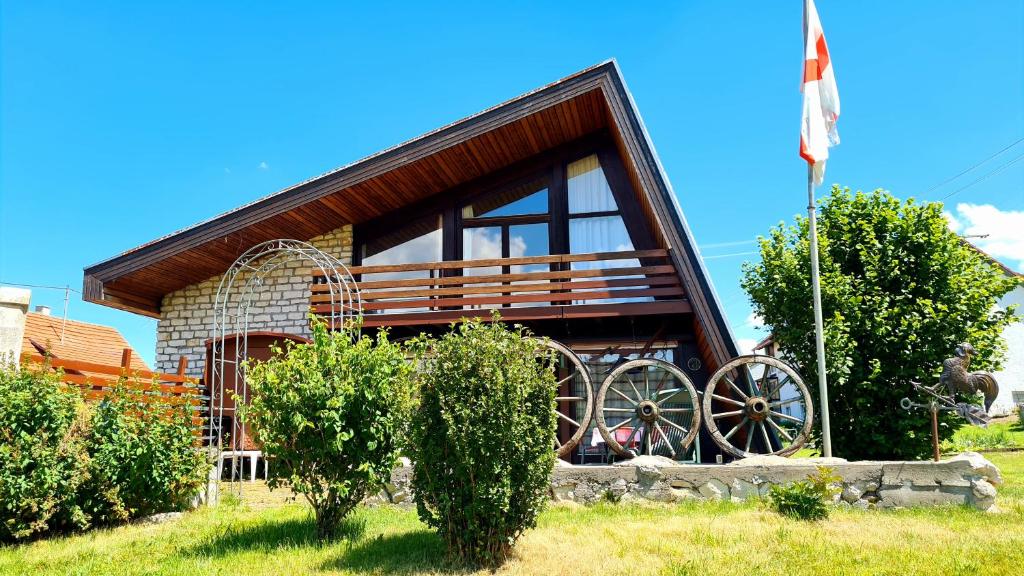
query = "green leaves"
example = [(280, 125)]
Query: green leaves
[(332, 414), (806, 499), (899, 291), (482, 437)]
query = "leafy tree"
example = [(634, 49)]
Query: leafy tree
[(899, 291), (482, 437), (331, 415)]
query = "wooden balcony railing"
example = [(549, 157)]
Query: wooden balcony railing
[(610, 284)]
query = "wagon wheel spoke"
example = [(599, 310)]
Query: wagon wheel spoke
[(670, 410), (752, 383), (750, 437), (764, 434), (647, 383), (778, 386), (567, 419), (671, 394), (635, 391), (736, 428), (626, 398), (781, 403), (569, 398), (727, 400), (780, 430), (734, 387), (674, 425), (569, 377), (668, 442), (786, 417), (664, 378), (726, 414), (612, 409), (647, 438), (632, 434)]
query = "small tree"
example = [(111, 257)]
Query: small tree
[(899, 291), (331, 415), (482, 438)]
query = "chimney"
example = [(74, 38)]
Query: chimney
[(13, 307), (44, 310)]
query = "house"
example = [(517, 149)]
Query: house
[(1011, 376), (552, 208), (66, 339)]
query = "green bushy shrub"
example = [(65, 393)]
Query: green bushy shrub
[(331, 414), (482, 437), (42, 455), (144, 457), (807, 499)]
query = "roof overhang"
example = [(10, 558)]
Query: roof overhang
[(589, 101)]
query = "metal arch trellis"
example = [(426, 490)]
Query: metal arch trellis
[(231, 320)]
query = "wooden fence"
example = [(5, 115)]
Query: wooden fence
[(97, 381)]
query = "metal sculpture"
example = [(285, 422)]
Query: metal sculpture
[(758, 405), (573, 378), (955, 377), (662, 420), (232, 320)]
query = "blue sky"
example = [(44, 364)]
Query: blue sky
[(122, 122)]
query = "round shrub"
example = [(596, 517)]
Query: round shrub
[(144, 456), (331, 416), (42, 455), (482, 437)]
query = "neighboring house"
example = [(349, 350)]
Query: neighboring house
[(559, 191), (768, 346), (1011, 377), (53, 336)]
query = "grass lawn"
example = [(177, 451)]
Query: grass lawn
[(268, 537)]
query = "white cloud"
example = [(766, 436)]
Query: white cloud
[(954, 224), (264, 166), (746, 345), (1003, 230), (754, 320)]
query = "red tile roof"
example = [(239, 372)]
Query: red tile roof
[(82, 341)]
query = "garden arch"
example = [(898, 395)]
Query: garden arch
[(244, 282)]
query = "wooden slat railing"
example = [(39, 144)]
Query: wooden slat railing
[(97, 381), (451, 289)]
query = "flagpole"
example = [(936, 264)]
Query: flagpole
[(819, 324)]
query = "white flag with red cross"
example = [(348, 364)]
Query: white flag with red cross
[(821, 96)]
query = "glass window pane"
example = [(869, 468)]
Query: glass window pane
[(482, 243), (418, 242), (524, 198), (599, 234), (588, 188), (528, 240)]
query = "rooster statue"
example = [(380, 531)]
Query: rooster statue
[(955, 377)]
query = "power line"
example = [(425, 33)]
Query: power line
[(948, 180), (986, 176), (61, 288), (730, 255), (724, 244)]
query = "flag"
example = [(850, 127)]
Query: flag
[(821, 96)]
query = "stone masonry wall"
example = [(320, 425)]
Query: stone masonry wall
[(965, 480), (281, 305)]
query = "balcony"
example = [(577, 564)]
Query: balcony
[(563, 286)]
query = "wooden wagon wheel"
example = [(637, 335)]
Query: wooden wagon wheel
[(656, 401), (580, 392), (758, 405)]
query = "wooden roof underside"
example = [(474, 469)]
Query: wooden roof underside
[(589, 101)]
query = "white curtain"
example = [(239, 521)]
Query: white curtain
[(588, 188)]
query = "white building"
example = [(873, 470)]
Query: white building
[(1011, 377)]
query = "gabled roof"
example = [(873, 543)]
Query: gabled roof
[(593, 100), (83, 342)]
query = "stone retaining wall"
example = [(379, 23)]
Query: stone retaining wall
[(968, 479)]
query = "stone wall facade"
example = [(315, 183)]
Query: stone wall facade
[(281, 305), (965, 480)]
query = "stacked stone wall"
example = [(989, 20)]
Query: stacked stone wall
[(280, 305)]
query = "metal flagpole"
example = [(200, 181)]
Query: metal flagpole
[(819, 324)]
